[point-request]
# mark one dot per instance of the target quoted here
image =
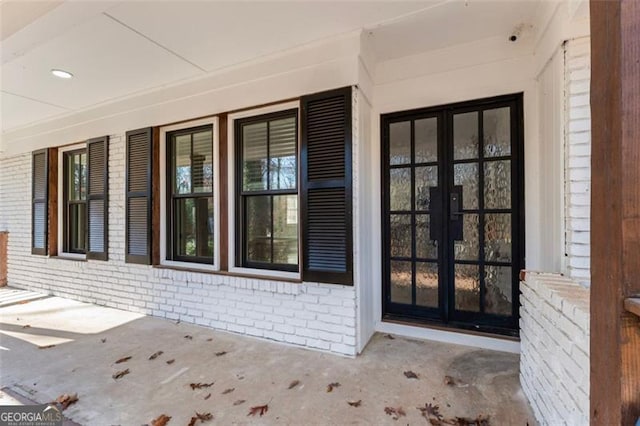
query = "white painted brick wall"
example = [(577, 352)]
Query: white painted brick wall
[(554, 344), (318, 316), (578, 160)]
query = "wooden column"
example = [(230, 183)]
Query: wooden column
[(615, 211)]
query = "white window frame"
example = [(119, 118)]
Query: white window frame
[(61, 203), (164, 173), (231, 118)]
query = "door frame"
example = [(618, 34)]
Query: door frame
[(501, 326)]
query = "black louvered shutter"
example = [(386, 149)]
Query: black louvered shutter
[(138, 205), (327, 239), (39, 202), (97, 198)]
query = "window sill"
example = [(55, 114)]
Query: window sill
[(72, 257), (229, 273)]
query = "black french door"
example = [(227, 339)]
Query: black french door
[(453, 216)]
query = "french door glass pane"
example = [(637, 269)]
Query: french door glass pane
[(469, 247), (254, 156), (467, 288), (466, 174), (426, 178), (401, 282), (497, 237), (427, 284), (285, 229), (498, 295), (497, 132), (426, 248), (194, 227), (400, 188), (400, 233), (497, 184), (202, 160), (465, 136), (400, 143), (426, 140)]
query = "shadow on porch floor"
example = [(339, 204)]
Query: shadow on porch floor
[(461, 381)]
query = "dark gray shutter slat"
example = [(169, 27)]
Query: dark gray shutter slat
[(138, 204), (97, 198), (327, 239), (40, 202)]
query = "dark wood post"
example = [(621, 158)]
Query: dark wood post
[(615, 211)]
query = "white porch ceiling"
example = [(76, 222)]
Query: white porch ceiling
[(116, 49)]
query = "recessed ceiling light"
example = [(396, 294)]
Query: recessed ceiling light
[(61, 73)]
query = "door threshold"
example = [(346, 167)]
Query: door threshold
[(448, 335)]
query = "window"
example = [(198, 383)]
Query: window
[(267, 191), (190, 204), (75, 201)]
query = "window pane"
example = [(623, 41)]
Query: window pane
[(76, 176), (401, 278), (426, 135), (400, 235), (467, 284), (285, 229), (77, 227), (497, 184), (497, 132), (465, 135), (498, 294), (182, 162), (282, 154), (254, 156), (258, 229), (400, 189), (400, 143), (194, 227), (202, 160), (466, 174)]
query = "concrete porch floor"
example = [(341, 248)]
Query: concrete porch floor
[(89, 339)]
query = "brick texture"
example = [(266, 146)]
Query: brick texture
[(578, 160), (319, 316), (554, 360)]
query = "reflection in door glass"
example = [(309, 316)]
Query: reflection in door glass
[(498, 296), (465, 136), (466, 174), (469, 247), (497, 184), (467, 283), (400, 189), (401, 282), (497, 132), (400, 143), (497, 237), (427, 284), (426, 178), (426, 140)]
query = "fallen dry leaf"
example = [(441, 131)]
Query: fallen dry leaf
[(120, 374), (226, 391), (240, 401), (395, 413), (355, 403), (46, 347), (66, 400), (209, 339), (103, 340), (333, 385), (429, 410), (195, 386), (156, 355), (221, 353), (390, 337), (464, 421), (258, 409), (161, 420), (294, 384), (188, 337), (26, 326), (121, 360), (207, 397), (410, 375), (450, 381), (171, 361), (202, 417)]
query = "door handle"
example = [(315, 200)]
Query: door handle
[(454, 205), (455, 213)]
